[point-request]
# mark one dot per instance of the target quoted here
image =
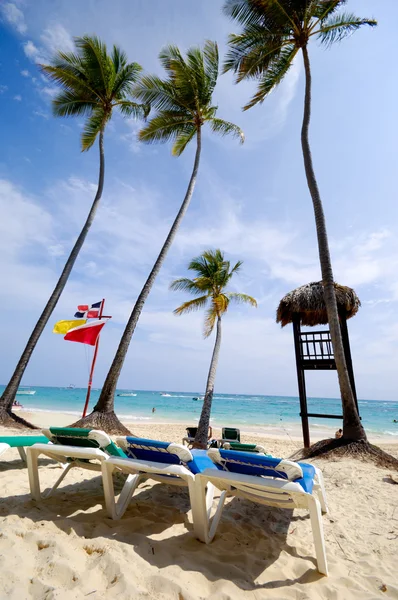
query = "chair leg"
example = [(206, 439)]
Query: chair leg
[(117, 509), (22, 453), (320, 489), (204, 527), (32, 456), (317, 531)]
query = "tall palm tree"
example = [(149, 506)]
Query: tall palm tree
[(213, 276), (273, 32), (183, 105), (93, 83)]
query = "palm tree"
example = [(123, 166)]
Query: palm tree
[(273, 33), (213, 275), (93, 83), (183, 104)]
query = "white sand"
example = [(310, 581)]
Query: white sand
[(66, 547)]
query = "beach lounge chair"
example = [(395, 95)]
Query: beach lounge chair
[(173, 464), (84, 448), (229, 434), (238, 446), (266, 480), (20, 442), (191, 434)]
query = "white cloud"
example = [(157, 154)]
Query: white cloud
[(42, 114), (56, 38), (33, 52), (3, 88), (25, 73), (14, 16), (18, 98)]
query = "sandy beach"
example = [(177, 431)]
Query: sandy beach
[(66, 547)]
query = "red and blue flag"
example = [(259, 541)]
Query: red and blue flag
[(84, 311)]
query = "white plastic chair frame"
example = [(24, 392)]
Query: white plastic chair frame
[(63, 454), (139, 470), (268, 491)]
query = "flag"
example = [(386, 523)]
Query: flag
[(85, 334), (88, 312), (64, 326)]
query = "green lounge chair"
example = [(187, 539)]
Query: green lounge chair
[(84, 448), (20, 442), (243, 447)]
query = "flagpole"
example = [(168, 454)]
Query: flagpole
[(90, 380)]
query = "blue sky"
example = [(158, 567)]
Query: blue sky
[(251, 201)]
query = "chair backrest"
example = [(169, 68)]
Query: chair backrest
[(244, 447), (247, 463), (191, 431), (83, 438), (19, 441), (156, 451), (231, 434)]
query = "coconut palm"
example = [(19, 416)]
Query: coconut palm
[(93, 83), (273, 33), (213, 276), (183, 105)]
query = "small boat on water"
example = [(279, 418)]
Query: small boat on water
[(26, 392), (198, 398), (166, 395), (127, 394), (71, 386)]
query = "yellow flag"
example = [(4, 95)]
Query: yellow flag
[(64, 326)]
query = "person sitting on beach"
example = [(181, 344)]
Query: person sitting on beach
[(338, 434)]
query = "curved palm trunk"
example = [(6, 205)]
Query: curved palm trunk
[(6, 401), (204, 421), (105, 402), (352, 427)]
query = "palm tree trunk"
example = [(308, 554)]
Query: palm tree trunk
[(7, 398), (105, 402), (204, 421), (352, 427)]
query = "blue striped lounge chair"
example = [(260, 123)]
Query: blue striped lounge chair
[(265, 480), (170, 463)]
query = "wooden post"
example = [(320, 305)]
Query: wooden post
[(301, 382), (348, 358), (90, 379)]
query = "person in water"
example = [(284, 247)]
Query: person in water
[(154, 409)]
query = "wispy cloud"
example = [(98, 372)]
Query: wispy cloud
[(13, 16)]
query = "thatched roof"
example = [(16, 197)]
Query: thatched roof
[(308, 301)]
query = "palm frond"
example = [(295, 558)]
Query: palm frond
[(167, 125), (119, 58), (274, 75), (185, 285), (251, 52), (226, 128), (92, 127), (242, 298), (99, 63), (338, 27), (320, 9), (191, 305), (211, 63), (68, 104), (237, 267), (182, 141), (125, 80), (210, 321), (160, 94), (132, 109)]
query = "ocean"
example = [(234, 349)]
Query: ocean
[(263, 414)]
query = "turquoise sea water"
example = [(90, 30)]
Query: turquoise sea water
[(260, 413)]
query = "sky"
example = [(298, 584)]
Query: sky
[(251, 201)]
